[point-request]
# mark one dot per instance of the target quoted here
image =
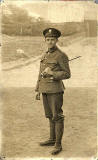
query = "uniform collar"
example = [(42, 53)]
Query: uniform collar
[(50, 50)]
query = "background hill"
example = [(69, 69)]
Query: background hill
[(17, 21)]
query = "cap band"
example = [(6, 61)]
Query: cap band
[(51, 32)]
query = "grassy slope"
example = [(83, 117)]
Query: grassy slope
[(32, 46)]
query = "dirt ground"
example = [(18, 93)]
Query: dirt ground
[(24, 123)]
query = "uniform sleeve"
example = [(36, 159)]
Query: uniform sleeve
[(64, 72)]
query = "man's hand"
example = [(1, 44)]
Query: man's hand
[(47, 72), (37, 96)]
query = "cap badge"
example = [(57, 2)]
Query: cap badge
[(50, 30)]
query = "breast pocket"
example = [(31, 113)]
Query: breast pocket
[(52, 64), (43, 63)]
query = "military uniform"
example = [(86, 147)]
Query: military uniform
[(52, 88)]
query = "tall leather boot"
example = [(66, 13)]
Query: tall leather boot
[(59, 129), (52, 130), (52, 139)]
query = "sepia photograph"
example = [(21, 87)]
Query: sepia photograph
[(48, 80)]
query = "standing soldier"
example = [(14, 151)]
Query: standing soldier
[(54, 67)]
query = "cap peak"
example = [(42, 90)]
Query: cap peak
[(51, 32)]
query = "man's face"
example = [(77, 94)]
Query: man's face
[(51, 41)]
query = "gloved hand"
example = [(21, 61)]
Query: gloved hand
[(47, 72)]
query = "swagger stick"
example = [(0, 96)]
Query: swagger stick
[(74, 58)]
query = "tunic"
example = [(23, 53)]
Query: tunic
[(59, 64)]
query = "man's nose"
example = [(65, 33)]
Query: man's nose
[(50, 41)]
